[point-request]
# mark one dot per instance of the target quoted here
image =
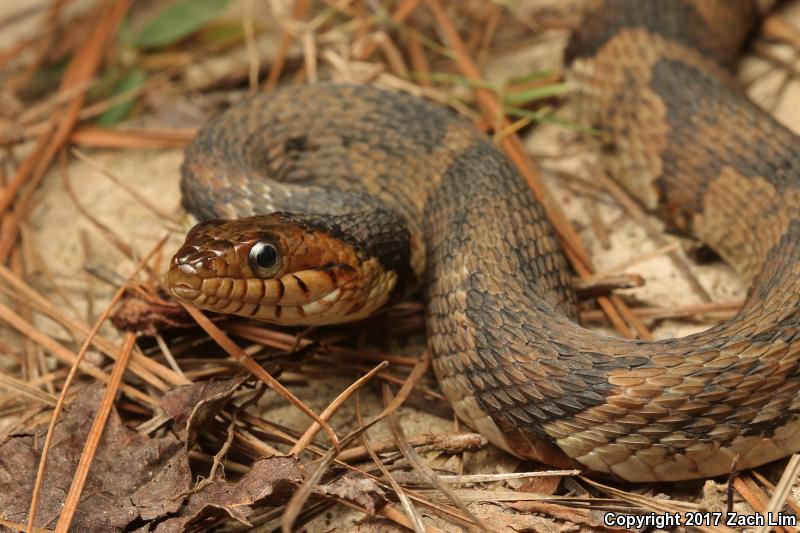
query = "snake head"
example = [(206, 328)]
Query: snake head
[(278, 268)]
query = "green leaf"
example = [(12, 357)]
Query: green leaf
[(536, 75), (106, 84), (536, 93), (130, 81), (222, 34), (550, 118), (178, 21), (48, 77), (455, 79)]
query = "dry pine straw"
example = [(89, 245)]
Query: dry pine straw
[(67, 125)]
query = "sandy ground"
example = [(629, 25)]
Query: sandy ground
[(65, 242)]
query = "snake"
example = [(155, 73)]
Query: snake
[(320, 203)]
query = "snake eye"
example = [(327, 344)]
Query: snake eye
[(264, 259)]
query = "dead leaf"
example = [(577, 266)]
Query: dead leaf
[(357, 489), (133, 477), (192, 407), (270, 482), (541, 485)]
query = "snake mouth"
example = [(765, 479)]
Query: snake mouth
[(184, 283)]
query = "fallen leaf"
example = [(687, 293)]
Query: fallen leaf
[(192, 407), (133, 477)]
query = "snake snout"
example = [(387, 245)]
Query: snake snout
[(184, 282)]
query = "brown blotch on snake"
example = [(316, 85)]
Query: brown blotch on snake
[(374, 178)]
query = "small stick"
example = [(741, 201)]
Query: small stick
[(334, 406), (418, 464), (408, 507), (483, 478), (658, 313), (589, 287), (93, 440), (301, 495), (780, 493)]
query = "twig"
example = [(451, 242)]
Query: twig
[(301, 495), (93, 439), (660, 313), (405, 502), (334, 406), (780, 493), (483, 478), (416, 461)]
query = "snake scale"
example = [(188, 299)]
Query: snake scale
[(336, 194)]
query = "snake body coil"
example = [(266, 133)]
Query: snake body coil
[(508, 353)]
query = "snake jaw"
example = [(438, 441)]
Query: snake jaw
[(318, 279)]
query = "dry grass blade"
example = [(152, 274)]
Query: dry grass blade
[(334, 406), (124, 248), (71, 376), (671, 247), (246, 361), (400, 14), (300, 497), (93, 439), (484, 478), (778, 500), (132, 138), (419, 465), (411, 512), (655, 233), (23, 387), (21, 527), (454, 443)]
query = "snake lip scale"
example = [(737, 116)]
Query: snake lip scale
[(321, 202)]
